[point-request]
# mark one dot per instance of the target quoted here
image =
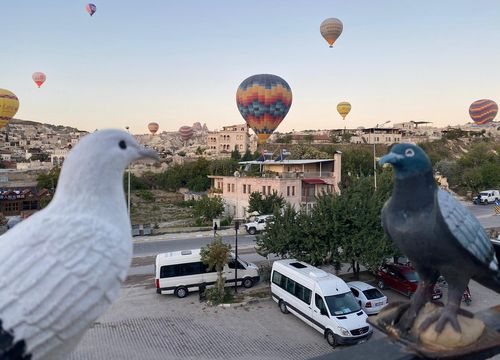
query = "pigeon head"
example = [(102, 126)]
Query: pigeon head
[(408, 160), (96, 164)]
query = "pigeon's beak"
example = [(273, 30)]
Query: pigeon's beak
[(390, 158), (149, 154)]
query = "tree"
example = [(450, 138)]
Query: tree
[(49, 180), (208, 208), (265, 204), (216, 255), (235, 155), (247, 156)]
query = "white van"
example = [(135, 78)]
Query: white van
[(180, 272), (320, 299)]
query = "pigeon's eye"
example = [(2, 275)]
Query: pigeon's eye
[(409, 152), (122, 144)]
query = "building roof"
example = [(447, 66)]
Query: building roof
[(285, 162)]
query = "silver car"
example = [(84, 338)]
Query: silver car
[(370, 298)]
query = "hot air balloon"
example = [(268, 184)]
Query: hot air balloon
[(186, 132), (263, 101), (331, 29), (153, 127), (39, 78), (91, 9), (9, 104), (343, 108), (483, 111)]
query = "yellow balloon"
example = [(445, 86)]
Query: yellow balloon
[(343, 108), (9, 104)]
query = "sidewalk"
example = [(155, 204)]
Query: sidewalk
[(185, 235)]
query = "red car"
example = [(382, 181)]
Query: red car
[(401, 278)]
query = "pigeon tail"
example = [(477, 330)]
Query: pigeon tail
[(11, 349)]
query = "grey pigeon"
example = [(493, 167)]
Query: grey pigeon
[(437, 234), (62, 267)]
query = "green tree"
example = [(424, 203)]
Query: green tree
[(235, 155), (247, 156), (49, 180), (216, 255), (265, 204), (357, 161), (208, 208)]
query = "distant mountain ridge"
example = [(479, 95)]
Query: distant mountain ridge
[(59, 128)]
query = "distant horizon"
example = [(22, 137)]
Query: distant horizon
[(180, 63)]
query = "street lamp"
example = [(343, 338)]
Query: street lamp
[(128, 188), (374, 155), (236, 227)]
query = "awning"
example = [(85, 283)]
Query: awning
[(314, 181)]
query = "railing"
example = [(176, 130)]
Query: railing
[(306, 175)]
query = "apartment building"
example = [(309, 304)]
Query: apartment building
[(298, 181), (230, 138)]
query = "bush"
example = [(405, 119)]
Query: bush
[(146, 195), (226, 221), (214, 296)]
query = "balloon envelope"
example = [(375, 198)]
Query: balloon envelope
[(39, 78), (343, 108), (91, 9), (9, 104), (263, 101), (483, 111), (153, 127), (331, 29), (186, 132)]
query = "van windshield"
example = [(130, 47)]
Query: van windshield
[(342, 304)]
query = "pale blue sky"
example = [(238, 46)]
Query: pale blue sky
[(177, 62)]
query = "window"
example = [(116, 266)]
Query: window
[(342, 304), (290, 286), (302, 293), (318, 301), (228, 187), (268, 190), (232, 187), (355, 292), (186, 269), (293, 190), (279, 279), (232, 264), (249, 189), (12, 207), (263, 190), (288, 191), (244, 188)]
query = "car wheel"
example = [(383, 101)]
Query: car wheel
[(252, 231), (247, 282), (381, 285), (283, 307), (181, 292), (330, 338)]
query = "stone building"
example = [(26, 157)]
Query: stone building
[(230, 138)]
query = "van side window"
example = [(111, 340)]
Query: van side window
[(290, 285), (186, 269), (302, 293), (294, 288), (318, 300)]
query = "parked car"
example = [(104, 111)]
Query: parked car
[(401, 278), (486, 197), (370, 298), (258, 225)]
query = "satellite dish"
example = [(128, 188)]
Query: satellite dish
[(236, 174)]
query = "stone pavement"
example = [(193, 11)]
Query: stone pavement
[(145, 325)]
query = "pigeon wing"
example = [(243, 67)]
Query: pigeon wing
[(58, 275), (467, 230)]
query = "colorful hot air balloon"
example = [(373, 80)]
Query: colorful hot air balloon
[(331, 29), (186, 132), (39, 78), (153, 127), (343, 108), (9, 104), (483, 111), (263, 101), (91, 9)]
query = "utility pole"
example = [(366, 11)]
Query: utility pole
[(236, 227), (128, 188), (374, 154)]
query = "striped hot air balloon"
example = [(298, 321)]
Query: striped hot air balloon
[(343, 108), (39, 78), (9, 104), (91, 9), (331, 29), (263, 101), (153, 127), (483, 111), (186, 132)]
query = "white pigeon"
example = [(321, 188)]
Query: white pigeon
[(62, 267)]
